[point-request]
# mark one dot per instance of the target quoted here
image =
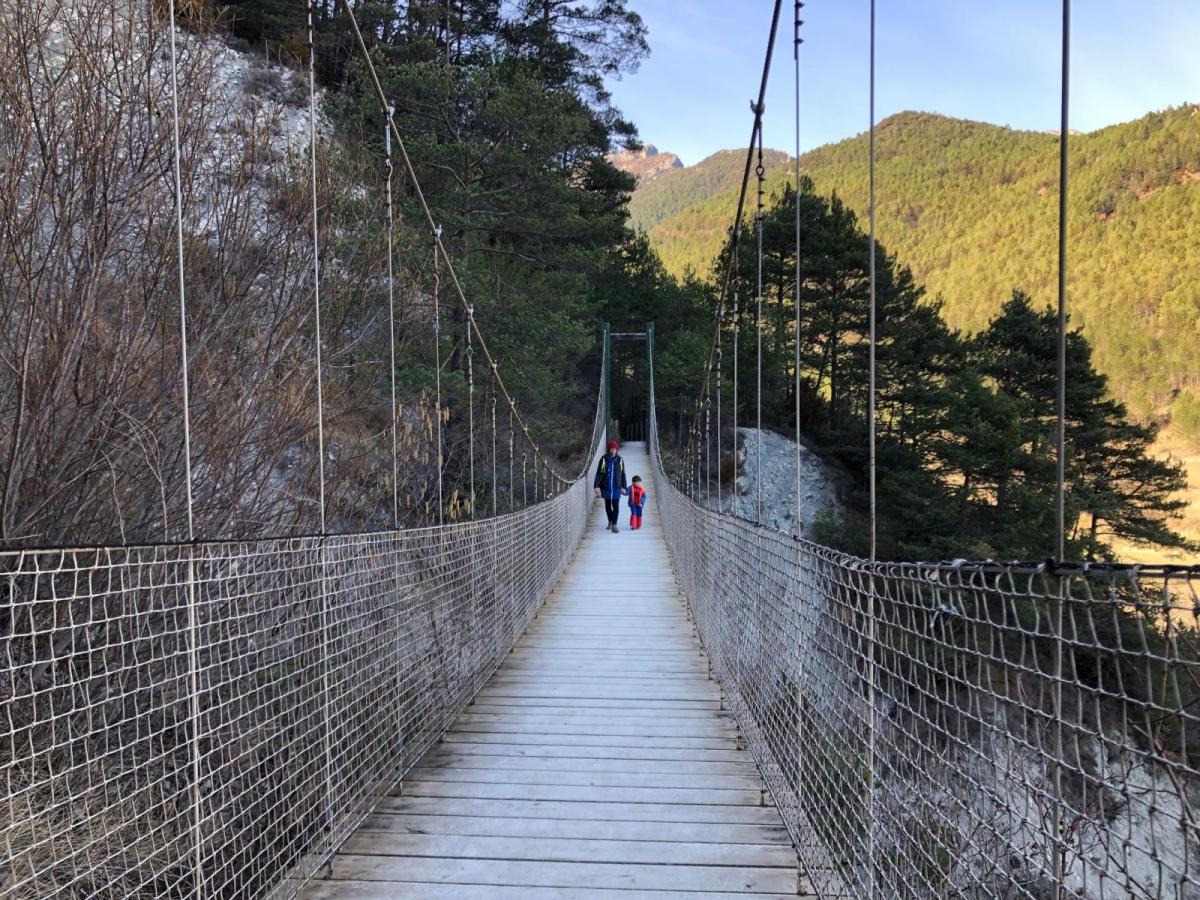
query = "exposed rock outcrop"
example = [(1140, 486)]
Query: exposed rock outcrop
[(645, 164)]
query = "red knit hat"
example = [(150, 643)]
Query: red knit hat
[(613, 445)]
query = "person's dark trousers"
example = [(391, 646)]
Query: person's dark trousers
[(613, 509)]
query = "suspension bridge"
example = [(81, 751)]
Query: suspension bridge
[(525, 705)]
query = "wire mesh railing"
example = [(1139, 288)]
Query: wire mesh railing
[(214, 719), (973, 730)]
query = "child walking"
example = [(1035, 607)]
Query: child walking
[(637, 502)]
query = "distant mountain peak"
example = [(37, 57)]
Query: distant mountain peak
[(645, 164)]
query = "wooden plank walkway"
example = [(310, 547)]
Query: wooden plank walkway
[(597, 764)]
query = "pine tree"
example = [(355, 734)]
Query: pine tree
[(1114, 487)]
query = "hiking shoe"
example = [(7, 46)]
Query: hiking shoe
[(615, 529)]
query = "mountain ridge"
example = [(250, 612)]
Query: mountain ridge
[(972, 207), (675, 190), (645, 164)]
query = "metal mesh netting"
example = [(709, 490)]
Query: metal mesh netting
[(989, 731), (153, 747)]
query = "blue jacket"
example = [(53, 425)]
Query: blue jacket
[(610, 477)]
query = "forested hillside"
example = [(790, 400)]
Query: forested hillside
[(676, 190), (972, 209), (966, 425)]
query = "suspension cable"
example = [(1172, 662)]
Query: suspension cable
[(176, 167), (796, 42), (312, 149), (440, 247), (720, 379), (736, 341), (437, 367), (1059, 864), (471, 406), (327, 718), (1063, 184), (391, 279), (757, 107), (871, 613), (185, 389), (495, 501), (758, 361), (707, 453), (798, 597)]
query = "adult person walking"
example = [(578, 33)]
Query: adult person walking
[(610, 484)]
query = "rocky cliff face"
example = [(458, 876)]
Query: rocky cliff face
[(645, 164), (819, 500)]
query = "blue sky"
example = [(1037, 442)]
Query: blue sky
[(995, 61)]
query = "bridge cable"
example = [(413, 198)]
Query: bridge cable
[(796, 42), (707, 452), (440, 247), (437, 357), (760, 172), (185, 387), (757, 107), (391, 279), (736, 341), (322, 550), (1061, 461), (871, 612), (720, 378), (492, 394), (312, 151), (471, 405), (797, 593)]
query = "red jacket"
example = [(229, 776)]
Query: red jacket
[(637, 496)]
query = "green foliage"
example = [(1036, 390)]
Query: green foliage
[(502, 115), (966, 429), (972, 209), (1185, 415), (1115, 488)]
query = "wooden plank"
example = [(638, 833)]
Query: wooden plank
[(565, 874), (571, 713), (646, 725), (719, 734), (667, 686), (550, 809), (449, 758), (524, 748), (694, 668), (611, 851), (376, 890), (588, 740), (600, 691), (597, 829), (582, 793), (688, 780)]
